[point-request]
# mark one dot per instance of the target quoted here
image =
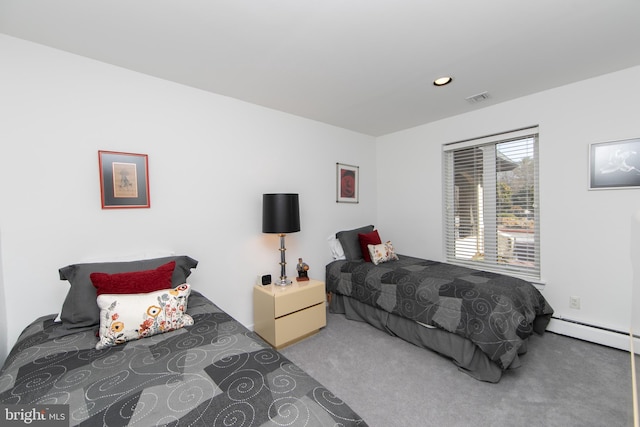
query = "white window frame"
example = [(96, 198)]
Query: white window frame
[(490, 243)]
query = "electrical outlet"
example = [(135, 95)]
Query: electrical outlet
[(574, 302)]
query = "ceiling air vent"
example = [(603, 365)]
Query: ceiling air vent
[(474, 99)]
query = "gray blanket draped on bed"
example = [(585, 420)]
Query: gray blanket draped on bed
[(496, 312), (215, 372)]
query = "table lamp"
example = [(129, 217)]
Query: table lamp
[(281, 215)]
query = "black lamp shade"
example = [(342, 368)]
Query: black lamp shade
[(280, 213)]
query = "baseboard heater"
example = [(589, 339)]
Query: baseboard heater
[(593, 333)]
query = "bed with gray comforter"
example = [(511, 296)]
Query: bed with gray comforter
[(481, 320), (214, 373)]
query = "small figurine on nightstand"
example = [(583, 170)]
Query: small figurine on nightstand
[(303, 268)]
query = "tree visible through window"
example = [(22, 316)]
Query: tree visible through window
[(492, 216)]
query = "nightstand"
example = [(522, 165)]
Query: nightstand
[(283, 315)]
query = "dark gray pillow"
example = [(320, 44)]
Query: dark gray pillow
[(350, 242), (80, 308)]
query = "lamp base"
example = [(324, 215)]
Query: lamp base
[(282, 282)]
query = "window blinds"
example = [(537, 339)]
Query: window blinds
[(491, 203)]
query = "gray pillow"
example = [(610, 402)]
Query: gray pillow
[(350, 242), (80, 308)]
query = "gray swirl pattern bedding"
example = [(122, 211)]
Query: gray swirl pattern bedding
[(496, 312), (213, 373)]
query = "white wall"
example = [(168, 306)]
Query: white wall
[(210, 160), (585, 235), (635, 263), (3, 312)]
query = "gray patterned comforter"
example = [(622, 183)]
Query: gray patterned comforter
[(496, 312), (213, 373)]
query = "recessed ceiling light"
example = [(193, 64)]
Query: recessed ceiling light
[(441, 81)]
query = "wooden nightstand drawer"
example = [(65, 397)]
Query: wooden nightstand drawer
[(300, 324), (303, 297), (283, 315)]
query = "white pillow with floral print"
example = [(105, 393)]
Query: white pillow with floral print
[(126, 317), (382, 253)]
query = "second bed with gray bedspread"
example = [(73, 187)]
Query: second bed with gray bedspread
[(497, 313)]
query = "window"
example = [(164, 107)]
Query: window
[(491, 203)]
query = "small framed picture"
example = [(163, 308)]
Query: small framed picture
[(614, 165), (347, 183), (124, 180)]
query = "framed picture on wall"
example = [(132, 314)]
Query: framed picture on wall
[(124, 180), (614, 165), (347, 183)]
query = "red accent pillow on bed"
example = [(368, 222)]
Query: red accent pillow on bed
[(136, 282), (372, 238)]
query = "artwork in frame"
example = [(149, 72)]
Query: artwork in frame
[(124, 180), (347, 185), (614, 165)]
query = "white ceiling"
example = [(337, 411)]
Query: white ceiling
[(365, 65)]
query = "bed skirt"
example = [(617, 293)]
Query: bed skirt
[(466, 355)]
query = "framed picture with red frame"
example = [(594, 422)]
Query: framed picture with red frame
[(347, 183), (124, 180)]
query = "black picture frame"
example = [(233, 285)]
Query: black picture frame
[(614, 165), (347, 183), (124, 180)]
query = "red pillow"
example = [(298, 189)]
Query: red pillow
[(136, 282), (372, 238)]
